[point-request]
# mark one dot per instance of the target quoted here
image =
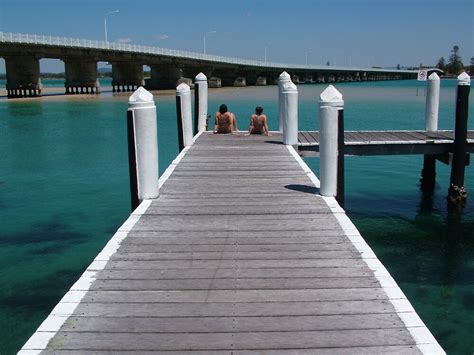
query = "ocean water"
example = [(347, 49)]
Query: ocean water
[(64, 191)]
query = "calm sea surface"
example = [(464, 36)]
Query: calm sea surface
[(64, 191)]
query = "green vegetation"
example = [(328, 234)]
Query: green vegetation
[(455, 65)]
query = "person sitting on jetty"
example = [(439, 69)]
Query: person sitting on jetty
[(226, 121), (258, 122)]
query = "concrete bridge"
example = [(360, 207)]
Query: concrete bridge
[(22, 53)]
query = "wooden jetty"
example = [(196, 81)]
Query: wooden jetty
[(237, 255), (387, 142)]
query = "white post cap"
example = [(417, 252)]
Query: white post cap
[(200, 77), (284, 76), (183, 88), (464, 79), (433, 77), (140, 98), (289, 87), (331, 97)]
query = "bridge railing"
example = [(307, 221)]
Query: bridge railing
[(126, 47)]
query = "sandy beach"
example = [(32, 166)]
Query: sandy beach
[(58, 93)]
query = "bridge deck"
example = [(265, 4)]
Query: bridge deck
[(237, 255), (386, 142)]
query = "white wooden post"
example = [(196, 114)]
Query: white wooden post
[(432, 103), (282, 79), (290, 113), (183, 108), (200, 102), (428, 173), (142, 146), (329, 104)]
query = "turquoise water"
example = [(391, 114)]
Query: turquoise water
[(64, 191)]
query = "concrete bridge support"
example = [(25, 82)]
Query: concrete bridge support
[(81, 76), (231, 77), (261, 81), (166, 76), (127, 76), (240, 81), (23, 76), (255, 80), (308, 79), (215, 82)]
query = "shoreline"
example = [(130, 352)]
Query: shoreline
[(52, 93), (56, 93)]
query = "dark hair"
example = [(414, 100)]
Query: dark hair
[(258, 110), (223, 108)]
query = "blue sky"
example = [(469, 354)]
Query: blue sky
[(346, 32)]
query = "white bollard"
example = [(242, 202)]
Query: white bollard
[(432, 103), (183, 106), (282, 79), (200, 102), (143, 146), (330, 103), (290, 113)]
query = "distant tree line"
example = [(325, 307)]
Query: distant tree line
[(455, 65)]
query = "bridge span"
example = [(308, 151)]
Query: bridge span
[(169, 67)]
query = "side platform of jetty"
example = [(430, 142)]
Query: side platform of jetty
[(387, 142), (239, 254)]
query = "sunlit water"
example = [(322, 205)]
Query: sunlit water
[(64, 191)]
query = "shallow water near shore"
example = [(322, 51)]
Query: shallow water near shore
[(64, 191)]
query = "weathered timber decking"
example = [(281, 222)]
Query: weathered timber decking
[(386, 142), (238, 255)]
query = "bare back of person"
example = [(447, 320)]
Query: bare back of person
[(258, 124), (224, 122)]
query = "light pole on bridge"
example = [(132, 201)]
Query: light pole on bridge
[(105, 22), (266, 51), (204, 39), (306, 56)]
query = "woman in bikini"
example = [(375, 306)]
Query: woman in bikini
[(258, 122), (225, 121)]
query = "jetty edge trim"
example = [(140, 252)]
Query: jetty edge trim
[(68, 304), (425, 341)]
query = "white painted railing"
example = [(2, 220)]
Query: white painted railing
[(126, 47)]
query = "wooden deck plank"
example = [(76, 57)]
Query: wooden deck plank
[(371, 350), (232, 324), (227, 236), (223, 273), (185, 210), (213, 264), (231, 284), (237, 295), (238, 309), (220, 341), (234, 247), (232, 255)]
